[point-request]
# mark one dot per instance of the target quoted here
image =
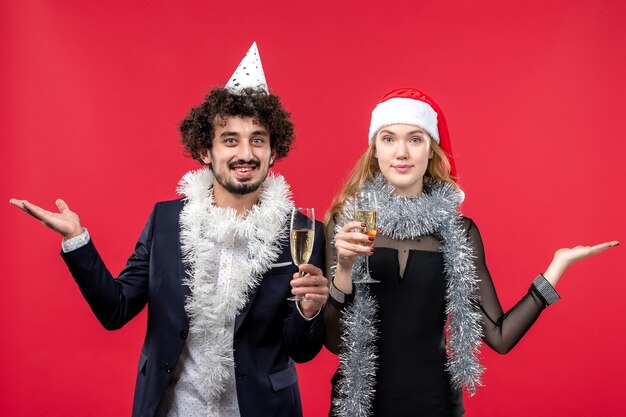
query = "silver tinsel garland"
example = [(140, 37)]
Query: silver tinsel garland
[(204, 229), (358, 357), (433, 212)]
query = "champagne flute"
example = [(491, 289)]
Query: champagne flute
[(365, 212), (301, 236)]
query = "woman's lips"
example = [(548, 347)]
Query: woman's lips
[(402, 168)]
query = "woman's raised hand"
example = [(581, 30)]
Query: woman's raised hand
[(65, 222), (578, 253), (351, 244), (564, 257)]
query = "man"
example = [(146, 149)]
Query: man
[(214, 268)]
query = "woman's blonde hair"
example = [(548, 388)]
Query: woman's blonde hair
[(367, 165)]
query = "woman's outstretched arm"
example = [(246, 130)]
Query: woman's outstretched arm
[(502, 331)]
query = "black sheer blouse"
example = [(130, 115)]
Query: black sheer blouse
[(411, 378)]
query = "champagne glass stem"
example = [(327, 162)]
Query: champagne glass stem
[(297, 298)]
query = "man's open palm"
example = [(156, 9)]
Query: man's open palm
[(65, 222)]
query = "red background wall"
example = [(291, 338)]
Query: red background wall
[(92, 93)]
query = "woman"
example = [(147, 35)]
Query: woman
[(409, 344)]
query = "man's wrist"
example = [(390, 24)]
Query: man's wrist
[(305, 314), (76, 242), (74, 234)]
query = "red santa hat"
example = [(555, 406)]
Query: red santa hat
[(412, 107)]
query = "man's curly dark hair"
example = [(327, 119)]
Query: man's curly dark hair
[(198, 128)]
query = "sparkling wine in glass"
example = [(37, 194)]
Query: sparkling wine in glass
[(365, 212), (301, 237)]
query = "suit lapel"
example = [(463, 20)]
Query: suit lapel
[(283, 261), (242, 315), (182, 273), (185, 291)]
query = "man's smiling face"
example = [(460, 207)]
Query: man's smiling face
[(240, 156)]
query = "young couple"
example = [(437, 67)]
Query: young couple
[(215, 269)]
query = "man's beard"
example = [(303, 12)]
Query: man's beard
[(237, 187)]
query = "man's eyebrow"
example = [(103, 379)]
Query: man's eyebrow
[(228, 133)]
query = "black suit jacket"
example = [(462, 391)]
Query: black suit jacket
[(269, 332)]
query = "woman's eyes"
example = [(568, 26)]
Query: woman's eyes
[(414, 139)]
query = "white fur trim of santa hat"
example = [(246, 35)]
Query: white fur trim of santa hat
[(249, 73), (401, 110)]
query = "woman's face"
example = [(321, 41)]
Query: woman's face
[(403, 152)]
